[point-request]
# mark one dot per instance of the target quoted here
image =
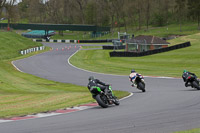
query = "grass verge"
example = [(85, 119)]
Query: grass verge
[(189, 131)]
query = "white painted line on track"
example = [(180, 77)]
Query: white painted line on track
[(41, 115), (84, 69), (16, 67), (3, 121), (127, 96)]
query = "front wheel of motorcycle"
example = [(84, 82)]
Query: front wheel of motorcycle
[(116, 101), (102, 100)]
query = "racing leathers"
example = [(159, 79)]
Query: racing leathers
[(132, 78), (95, 83)]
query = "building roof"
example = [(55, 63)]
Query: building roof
[(143, 39)]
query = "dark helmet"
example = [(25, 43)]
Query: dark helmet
[(91, 78), (132, 71)]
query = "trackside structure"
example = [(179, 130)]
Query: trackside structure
[(58, 27), (143, 43)]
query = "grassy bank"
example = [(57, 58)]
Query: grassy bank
[(22, 94), (164, 64)]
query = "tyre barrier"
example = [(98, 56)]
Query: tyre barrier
[(95, 41), (149, 52), (30, 50)]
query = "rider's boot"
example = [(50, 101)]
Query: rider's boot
[(134, 85)]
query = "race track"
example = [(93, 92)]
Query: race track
[(167, 105)]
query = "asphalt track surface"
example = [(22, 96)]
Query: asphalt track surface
[(167, 105)]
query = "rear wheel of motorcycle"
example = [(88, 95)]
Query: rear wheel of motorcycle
[(102, 101), (141, 86), (195, 85)]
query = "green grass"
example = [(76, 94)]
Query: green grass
[(22, 94), (11, 44), (189, 131), (164, 64)]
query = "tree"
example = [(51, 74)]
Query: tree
[(147, 14), (180, 9), (194, 10), (2, 3), (117, 11), (82, 4), (139, 11), (23, 8), (10, 11)]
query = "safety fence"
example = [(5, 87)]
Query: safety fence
[(75, 41), (149, 52), (53, 40), (62, 27), (30, 50)]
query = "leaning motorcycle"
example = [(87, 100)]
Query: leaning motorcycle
[(192, 80), (140, 82), (104, 98)]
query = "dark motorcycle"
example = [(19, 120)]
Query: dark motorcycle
[(140, 82), (191, 80), (104, 98)]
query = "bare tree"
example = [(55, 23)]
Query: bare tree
[(118, 11), (147, 14), (180, 6), (111, 12), (35, 11), (139, 8), (54, 10), (81, 4), (10, 11), (2, 3), (194, 10)]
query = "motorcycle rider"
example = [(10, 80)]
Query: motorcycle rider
[(185, 75), (95, 83), (132, 77)]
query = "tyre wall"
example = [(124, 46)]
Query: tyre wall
[(150, 52)]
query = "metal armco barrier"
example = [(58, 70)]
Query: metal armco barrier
[(150, 52)]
